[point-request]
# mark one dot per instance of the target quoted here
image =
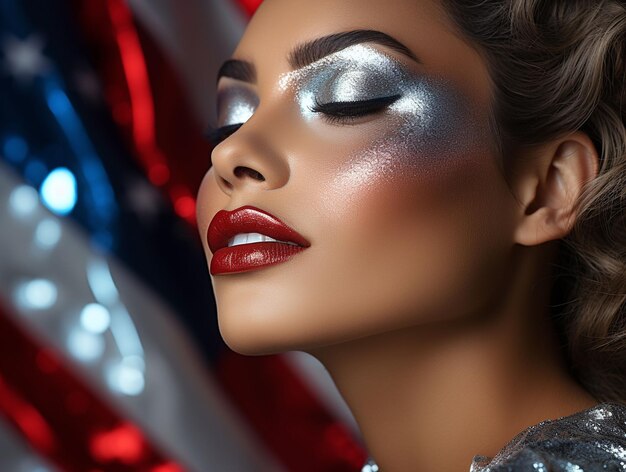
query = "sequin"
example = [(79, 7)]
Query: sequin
[(592, 440)]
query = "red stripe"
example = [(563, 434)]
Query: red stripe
[(140, 94), (62, 418), (249, 6), (288, 416), (163, 135)]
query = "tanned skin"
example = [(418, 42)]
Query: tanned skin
[(425, 290)]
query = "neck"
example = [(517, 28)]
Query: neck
[(432, 397)]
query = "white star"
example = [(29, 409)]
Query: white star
[(88, 84), (143, 199), (24, 58)]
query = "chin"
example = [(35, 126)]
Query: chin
[(253, 335), (250, 343), (248, 346)]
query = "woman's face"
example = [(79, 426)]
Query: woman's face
[(380, 157)]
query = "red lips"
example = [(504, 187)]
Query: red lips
[(241, 258)]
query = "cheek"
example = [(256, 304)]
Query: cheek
[(416, 217), (428, 136), (421, 163)]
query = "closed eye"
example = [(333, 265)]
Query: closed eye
[(346, 111), (333, 112)]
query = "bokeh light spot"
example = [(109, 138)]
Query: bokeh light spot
[(167, 467), (126, 377), (123, 443), (85, 346), (185, 207), (15, 149), (58, 191), (159, 174), (37, 294), (23, 201), (95, 318), (47, 233)]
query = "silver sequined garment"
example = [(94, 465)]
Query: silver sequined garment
[(592, 440)]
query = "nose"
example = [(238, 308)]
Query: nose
[(246, 160)]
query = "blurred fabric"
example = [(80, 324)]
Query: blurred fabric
[(110, 355)]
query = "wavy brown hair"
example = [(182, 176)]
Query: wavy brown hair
[(559, 66)]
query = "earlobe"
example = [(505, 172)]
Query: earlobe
[(550, 188)]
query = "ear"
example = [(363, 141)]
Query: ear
[(549, 185)]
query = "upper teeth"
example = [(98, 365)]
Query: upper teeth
[(248, 238)]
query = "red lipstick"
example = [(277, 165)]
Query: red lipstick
[(250, 256)]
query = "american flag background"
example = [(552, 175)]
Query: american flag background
[(110, 355)]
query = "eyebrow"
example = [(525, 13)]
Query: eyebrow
[(316, 49), (312, 51), (237, 69)]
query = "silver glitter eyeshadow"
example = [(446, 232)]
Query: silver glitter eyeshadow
[(429, 118), (235, 105), (359, 72), (430, 121)]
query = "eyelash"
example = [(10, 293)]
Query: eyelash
[(217, 135), (334, 112), (340, 112)]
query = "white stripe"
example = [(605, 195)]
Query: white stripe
[(318, 379), (197, 36), (180, 406)]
